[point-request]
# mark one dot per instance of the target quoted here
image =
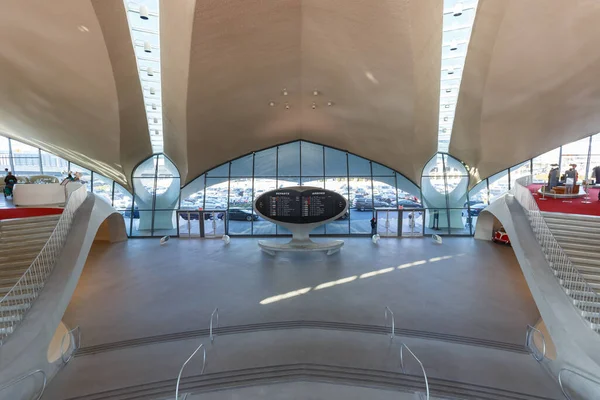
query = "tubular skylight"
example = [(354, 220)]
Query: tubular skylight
[(457, 25), (144, 27)]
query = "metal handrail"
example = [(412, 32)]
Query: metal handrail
[(387, 310), (528, 336), (185, 363), (576, 373), (19, 379), (76, 344), (569, 277), (404, 346), (215, 311), (21, 296)]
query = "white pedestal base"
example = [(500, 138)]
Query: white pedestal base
[(272, 248)]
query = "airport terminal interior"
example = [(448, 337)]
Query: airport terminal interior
[(299, 199)]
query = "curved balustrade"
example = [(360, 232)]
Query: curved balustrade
[(215, 311), (573, 283), (403, 346), (21, 296), (385, 315), (185, 363), (560, 380), (22, 378), (528, 337), (76, 345)]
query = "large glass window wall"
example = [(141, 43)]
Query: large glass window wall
[(584, 153), (235, 185), (27, 161)]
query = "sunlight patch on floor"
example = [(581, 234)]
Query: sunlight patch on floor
[(349, 279)]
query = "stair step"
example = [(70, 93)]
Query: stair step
[(7, 331), (15, 307), (590, 314), (24, 236), (23, 289), (29, 221), (587, 269), (584, 262), (21, 243), (18, 264), (21, 296), (569, 222), (21, 256), (563, 239), (582, 255), (570, 217), (592, 280), (574, 230), (590, 249), (12, 318)]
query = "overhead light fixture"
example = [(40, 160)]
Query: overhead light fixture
[(447, 106), (83, 28), (272, 103), (154, 107), (314, 105), (453, 45), (147, 47), (315, 92), (152, 90), (149, 71), (444, 130), (284, 92), (458, 9), (144, 12), (450, 70), (156, 132), (155, 120), (287, 106), (330, 103), (445, 119), (448, 90)]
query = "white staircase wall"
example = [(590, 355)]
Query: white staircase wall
[(577, 345), (26, 349)]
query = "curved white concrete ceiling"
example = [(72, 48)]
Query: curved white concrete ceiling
[(69, 83), (241, 75), (530, 82)]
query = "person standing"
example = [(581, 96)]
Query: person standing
[(436, 220), (571, 178), (373, 226), (552, 177)]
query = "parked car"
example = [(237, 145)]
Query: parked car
[(500, 236), (472, 203), (238, 214), (136, 213), (474, 210), (343, 216), (409, 203), (363, 204)]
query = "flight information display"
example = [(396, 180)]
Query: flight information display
[(300, 205)]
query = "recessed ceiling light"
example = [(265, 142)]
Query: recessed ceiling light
[(448, 90), (314, 105), (330, 103), (458, 9), (156, 132), (149, 71), (147, 47), (453, 45), (155, 120), (144, 12), (315, 92), (154, 106), (445, 119), (450, 70), (287, 106), (284, 92), (272, 103), (152, 90), (83, 28), (447, 106)]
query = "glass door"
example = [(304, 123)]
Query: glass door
[(412, 222), (387, 223), (189, 223), (214, 223)]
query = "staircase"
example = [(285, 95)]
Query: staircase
[(21, 240), (579, 237)]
